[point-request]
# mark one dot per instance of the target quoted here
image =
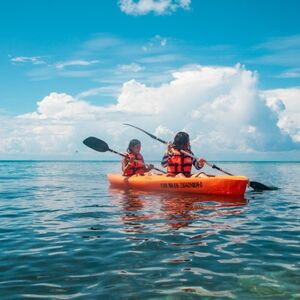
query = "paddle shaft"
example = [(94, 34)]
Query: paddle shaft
[(182, 151), (257, 186), (254, 184), (101, 146)]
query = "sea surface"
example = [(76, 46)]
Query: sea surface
[(65, 234)]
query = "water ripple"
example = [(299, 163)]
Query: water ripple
[(64, 234)]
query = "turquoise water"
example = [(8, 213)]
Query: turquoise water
[(65, 234)]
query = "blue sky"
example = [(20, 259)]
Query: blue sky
[(89, 49), (209, 32)]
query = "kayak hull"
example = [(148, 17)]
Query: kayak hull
[(217, 185)]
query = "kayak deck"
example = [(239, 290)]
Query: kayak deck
[(216, 185)]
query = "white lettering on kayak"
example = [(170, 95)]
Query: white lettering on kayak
[(174, 185)]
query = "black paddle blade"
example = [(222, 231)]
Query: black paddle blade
[(257, 186), (96, 144)]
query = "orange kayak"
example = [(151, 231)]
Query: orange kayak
[(216, 185)]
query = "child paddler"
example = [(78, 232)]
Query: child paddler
[(176, 161), (134, 163)]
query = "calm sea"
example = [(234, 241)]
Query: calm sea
[(66, 235)]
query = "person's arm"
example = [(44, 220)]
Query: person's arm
[(198, 164), (126, 163), (164, 161), (147, 167)]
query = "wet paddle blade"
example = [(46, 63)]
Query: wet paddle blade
[(96, 144), (257, 186)]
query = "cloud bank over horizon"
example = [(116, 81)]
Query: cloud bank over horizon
[(221, 108)]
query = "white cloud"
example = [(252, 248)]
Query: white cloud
[(278, 43), (220, 107), (280, 51), (221, 103), (100, 42), (290, 73), (105, 57), (162, 58), (162, 41), (35, 60), (286, 103), (77, 73), (155, 43), (112, 91), (62, 65), (159, 7), (57, 107), (56, 129), (133, 67)]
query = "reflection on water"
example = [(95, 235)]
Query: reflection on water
[(143, 211)]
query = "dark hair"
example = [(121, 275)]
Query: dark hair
[(181, 140), (133, 143)]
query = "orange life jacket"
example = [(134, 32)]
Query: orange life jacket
[(138, 164), (179, 163)]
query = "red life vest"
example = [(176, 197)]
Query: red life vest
[(137, 166), (179, 163)]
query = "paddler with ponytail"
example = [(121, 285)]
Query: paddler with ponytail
[(133, 163), (178, 162)]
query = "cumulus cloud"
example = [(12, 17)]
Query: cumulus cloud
[(56, 129), (57, 107), (286, 104), (220, 107), (159, 7)]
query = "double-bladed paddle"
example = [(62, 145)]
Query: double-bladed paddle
[(101, 146), (257, 186)]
